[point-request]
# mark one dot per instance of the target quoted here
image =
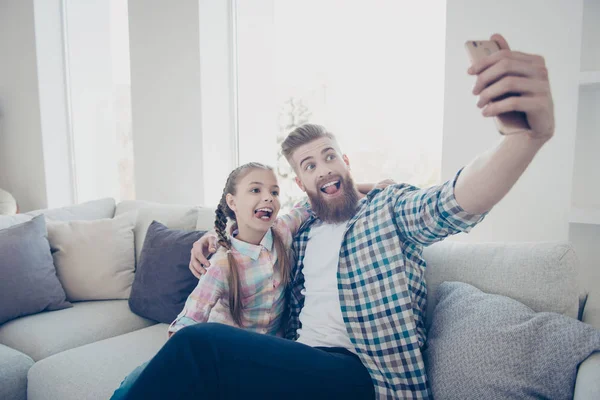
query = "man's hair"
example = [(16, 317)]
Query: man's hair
[(302, 135)]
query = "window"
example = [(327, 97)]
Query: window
[(372, 72), (96, 38)]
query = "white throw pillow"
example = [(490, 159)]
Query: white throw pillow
[(95, 260), (173, 216)]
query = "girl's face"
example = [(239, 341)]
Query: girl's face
[(256, 202)]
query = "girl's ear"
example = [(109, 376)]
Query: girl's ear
[(230, 200)]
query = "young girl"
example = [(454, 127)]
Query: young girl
[(245, 285)]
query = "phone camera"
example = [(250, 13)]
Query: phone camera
[(474, 44)]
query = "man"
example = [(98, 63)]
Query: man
[(358, 292)]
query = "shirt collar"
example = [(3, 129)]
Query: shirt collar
[(253, 250)]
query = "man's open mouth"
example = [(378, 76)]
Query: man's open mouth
[(331, 187), (263, 213)]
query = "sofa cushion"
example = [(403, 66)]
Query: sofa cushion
[(173, 216), (542, 276), (206, 219), (94, 259), (95, 209), (7, 221), (44, 334), (96, 370), (484, 346), (28, 282), (163, 280), (13, 374)]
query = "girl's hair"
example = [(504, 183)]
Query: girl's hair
[(222, 213)]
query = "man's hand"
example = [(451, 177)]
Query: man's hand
[(365, 188), (510, 71), (202, 248), (385, 183)]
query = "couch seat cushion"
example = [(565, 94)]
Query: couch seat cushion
[(13, 374), (47, 333), (96, 370)]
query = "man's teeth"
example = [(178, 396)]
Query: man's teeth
[(325, 186)]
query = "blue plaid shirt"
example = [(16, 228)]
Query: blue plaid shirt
[(381, 280)]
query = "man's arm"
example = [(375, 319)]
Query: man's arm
[(485, 181), (429, 215)]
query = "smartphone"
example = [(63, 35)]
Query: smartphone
[(508, 123)]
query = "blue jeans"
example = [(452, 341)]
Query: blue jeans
[(121, 392), (214, 361)]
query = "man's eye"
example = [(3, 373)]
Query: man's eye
[(330, 157), (310, 167)]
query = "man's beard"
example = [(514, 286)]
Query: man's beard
[(337, 210)]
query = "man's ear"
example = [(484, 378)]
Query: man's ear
[(230, 202), (300, 185), (346, 160)]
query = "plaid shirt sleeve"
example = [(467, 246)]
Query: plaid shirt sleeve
[(203, 298), (288, 224), (425, 216)]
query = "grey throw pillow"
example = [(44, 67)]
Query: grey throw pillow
[(163, 280), (28, 282), (484, 346)]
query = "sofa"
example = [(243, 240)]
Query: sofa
[(85, 351)]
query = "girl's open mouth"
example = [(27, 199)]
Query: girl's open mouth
[(264, 213)]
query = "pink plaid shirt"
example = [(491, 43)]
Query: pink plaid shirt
[(263, 295)]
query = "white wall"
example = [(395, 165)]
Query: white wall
[(53, 103), (166, 100), (21, 146), (537, 208), (217, 83)]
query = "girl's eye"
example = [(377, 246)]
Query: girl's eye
[(255, 190), (275, 193)]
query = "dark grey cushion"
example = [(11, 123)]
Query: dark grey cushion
[(163, 280), (28, 282), (483, 346)]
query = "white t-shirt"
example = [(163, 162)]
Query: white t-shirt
[(321, 316)]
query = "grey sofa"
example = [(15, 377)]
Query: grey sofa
[(84, 352)]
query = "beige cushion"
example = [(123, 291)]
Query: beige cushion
[(542, 276), (94, 371), (172, 216), (94, 259), (95, 209), (51, 332), (6, 221), (206, 219)]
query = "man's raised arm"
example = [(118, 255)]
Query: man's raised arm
[(485, 181)]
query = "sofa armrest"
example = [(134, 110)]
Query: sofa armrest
[(587, 385)]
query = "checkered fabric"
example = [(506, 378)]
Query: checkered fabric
[(381, 280)]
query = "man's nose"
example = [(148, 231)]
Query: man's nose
[(325, 172)]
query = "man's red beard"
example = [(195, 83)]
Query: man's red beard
[(338, 209)]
